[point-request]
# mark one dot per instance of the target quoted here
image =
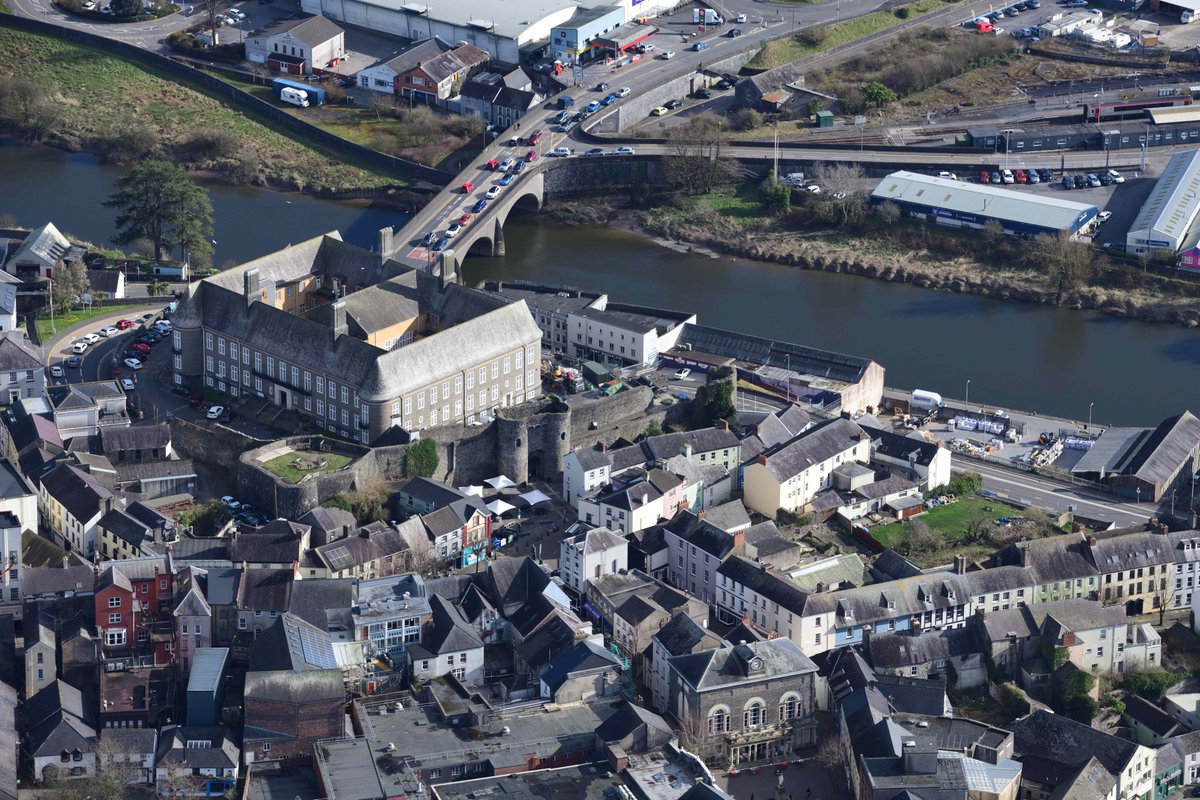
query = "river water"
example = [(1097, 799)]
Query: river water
[(1053, 361)]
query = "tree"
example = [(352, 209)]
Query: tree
[(70, 280), (158, 201), (888, 212), (421, 459), (694, 164), (878, 94), (775, 195), (842, 194), (25, 110), (1082, 708), (992, 234), (1162, 597), (921, 538), (1068, 263), (126, 8), (1151, 684), (654, 428), (714, 400)]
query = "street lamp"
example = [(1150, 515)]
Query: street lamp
[(1090, 412), (50, 297), (967, 398)]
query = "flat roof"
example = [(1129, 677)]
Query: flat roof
[(1171, 116), (1036, 210), (1172, 206), (208, 668), (584, 782), (509, 19), (663, 775)]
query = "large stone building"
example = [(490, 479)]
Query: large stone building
[(355, 344)]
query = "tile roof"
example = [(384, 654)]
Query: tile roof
[(1067, 743), (814, 446)]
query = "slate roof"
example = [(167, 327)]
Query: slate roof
[(1053, 559), (324, 602), (1076, 615), (448, 631), (16, 353), (80, 494), (295, 687), (265, 589), (56, 721), (628, 718), (583, 657), (45, 242), (909, 695), (704, 440), (762, 581), (442, 522), (815, 445), (895, 651), (997, 625), (1132, 550), (222, 752), (135, 437), (731, 516), (126, 528), (714, 669), (900, 447), (910, 596), (1090, 782), (105, 280), (38, 551), (67, 396), (32, 429), (313, 31), (767, 352), (1064, 743), (683, 635), (1142, 711), (463, 57), (328, 519), (553, 635), (1160, 457), (421, 51), (290, 643), (701, 534), (37, 581), (277, 542), (430, 491)]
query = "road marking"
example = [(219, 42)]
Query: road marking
[(1074, 499)]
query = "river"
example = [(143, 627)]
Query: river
[(1053, 361)]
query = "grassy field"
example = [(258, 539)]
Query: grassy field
[(102, 97), (78, 315), (283, 465), (951, 521), (826, 37)]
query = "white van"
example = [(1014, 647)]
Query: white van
[(294, 96)]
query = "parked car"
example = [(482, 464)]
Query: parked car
[(91, 338), (108, 330), (215, 412), (947, 175), (595, 151), (133, 363), (1093, 180), (493, 192), (592, 107), (674, 104), (429, 238), (996, 178), (73, 362), (623, 150), (507, 179), (703, 94), (465, 219), (79, 347), (1081, 181), (440, 245), (1103, 217), (681, 374), (1034, 177), (661, 111), (56, 371), (1116, 176), (128, 385), (231, 503), (1007, 177), (1019, 175), (985, 176), (1046, 175)]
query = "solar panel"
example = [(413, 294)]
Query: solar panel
[(317, 650), (338, 558)]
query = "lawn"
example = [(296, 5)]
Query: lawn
[(952, 520), (823, 38), (285, 467), (103, 98), (78, 315)]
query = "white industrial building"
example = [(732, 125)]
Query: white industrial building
[(1168, 219), (969, 205), (505, 28)]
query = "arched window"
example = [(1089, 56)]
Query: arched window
[(789, 707), (718, 720), (755, 713)]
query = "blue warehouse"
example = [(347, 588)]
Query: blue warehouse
[(961, 205)]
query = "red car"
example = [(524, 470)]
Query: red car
[(123, 324), (141, 347), (493, 165), (534, 138), (531, 156), (468, 187), (985, 176), (1020, 176)]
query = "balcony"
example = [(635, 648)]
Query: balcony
[(756, 733)]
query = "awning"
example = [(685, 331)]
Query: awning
[(471, 491), (500, 482), (534, 497), (499, 507)]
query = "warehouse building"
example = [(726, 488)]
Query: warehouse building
[(1168, 219), (965, 205)]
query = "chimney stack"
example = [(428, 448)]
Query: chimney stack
[(960, 565), (340, 326), (250, 286), (722, 424), (602, 447)]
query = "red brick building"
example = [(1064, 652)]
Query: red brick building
[(286, 712), (133, 601)]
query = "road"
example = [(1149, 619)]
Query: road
[(1057, 496)]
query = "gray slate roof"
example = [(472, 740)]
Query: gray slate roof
[(714, 669), (16, 353), (1168, 447), (1067, 743), (313, 31), (584, 657), (683, 635), (812, 447), (894, 651)]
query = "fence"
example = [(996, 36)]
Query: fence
[(261, 110)]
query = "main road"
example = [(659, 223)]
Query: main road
[(1056, 495)]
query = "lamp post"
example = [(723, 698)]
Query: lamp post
[(50, 297), (1139, 494), (1090, 412), (967, 398)]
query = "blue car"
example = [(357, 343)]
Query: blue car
[(480, 205), (592, 107), (608, 100), (441, 245), (507, 179)]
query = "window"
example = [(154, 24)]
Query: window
[(458, 385), (507, 364), (421, 401), (241, 623), (114, 638), (789, 708), (345, 394), (445, 389), (266, 747), (208, 341), (220, 345), (718, 721), (495, 370), (113, 619), (754, 714), (114, 602), (41, 657), (332, 390), (470, 380)]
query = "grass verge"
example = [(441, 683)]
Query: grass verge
[(76, 316), (101, 99), (823, 38), (284, 466)]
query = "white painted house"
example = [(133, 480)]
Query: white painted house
[(590, 554), (790, 475), (297, 46)]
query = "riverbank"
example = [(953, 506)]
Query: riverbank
[(733, 225), (81, 99)]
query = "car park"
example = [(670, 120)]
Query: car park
[(57, 371), (480, 205), (453, 230), (79, 347), (215, 412), (623, 150), (623, 91), (595, 151), (661, 111), (128, 385), (493, 192), (133, 363), (673, 104), (108, 330)]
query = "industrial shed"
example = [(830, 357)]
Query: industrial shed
[(1170, 217), (957, 204)]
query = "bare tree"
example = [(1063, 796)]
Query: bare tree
[(695, 165), (210, 9), (842, 191), (1067, 262)]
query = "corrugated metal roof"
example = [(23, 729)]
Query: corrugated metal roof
[(207, 669), (1167, 116), (1174, 202), (1022, 207)]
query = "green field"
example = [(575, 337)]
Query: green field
[(283, 465), (103, 98), (78, 315), (826, 37)]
